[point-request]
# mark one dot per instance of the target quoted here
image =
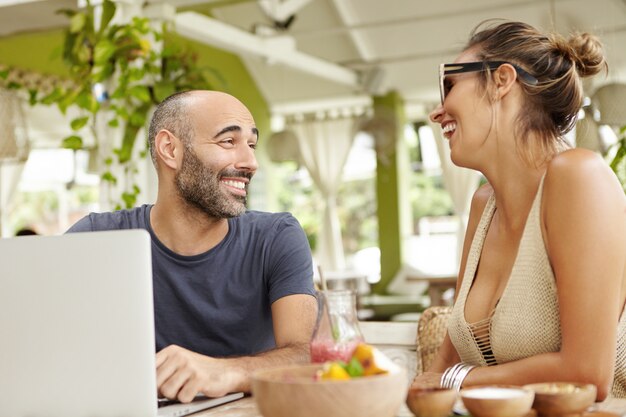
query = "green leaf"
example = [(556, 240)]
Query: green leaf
[(4, 73), (113, 123), (136, 74), (108, 11), (108, 161), (68, 99), (122, 112), (128, 141), (32, 97), (103, 51), (142, 24), (87, 101), (54, 96), (108, 177), (619, 155), (163, 89), (137, 119), (101, 72), (79, 123), (14, 86), (82, 54), (129, 199), (140, 92), (354, 368), (72, 142), (118, 94), (77, 22)]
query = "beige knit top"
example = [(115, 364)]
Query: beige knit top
[(525, 321)]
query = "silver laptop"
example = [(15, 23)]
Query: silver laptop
[(77, 328)]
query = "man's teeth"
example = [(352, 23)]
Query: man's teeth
[(237, 184), (450, 127)]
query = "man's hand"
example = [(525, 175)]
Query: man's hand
[(182, 374)]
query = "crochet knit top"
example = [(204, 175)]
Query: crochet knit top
[(525, 321)]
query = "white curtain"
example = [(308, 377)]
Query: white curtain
[(13, 151), (460, 183), (324, 147), (10, 174)]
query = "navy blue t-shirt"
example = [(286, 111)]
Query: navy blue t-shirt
[(218, 303)]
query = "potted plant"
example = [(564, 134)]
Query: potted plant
[(618, 164)]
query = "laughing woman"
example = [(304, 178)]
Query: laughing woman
[(544, 263)]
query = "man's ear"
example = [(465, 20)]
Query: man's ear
[(504, 79), (168, 148)]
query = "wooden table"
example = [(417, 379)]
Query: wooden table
[(437, 285), (246, 407)]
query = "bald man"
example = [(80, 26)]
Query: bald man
[(233, 289)]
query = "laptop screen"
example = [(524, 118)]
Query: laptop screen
[(77, 325)]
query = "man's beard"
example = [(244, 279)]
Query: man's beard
[(200, 187)]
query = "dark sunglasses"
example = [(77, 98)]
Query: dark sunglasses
[(449, 69)]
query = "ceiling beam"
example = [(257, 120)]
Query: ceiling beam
[(281, 10), (277, 49), (5, 3)]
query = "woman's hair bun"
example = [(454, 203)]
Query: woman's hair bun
[(587, 53)]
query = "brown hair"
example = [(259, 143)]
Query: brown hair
[(551, 106)]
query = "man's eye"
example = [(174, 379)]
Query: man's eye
[(252, 145), (227, 142)]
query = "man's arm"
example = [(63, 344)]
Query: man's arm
[(182, 374)]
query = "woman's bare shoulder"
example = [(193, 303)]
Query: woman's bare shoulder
[(581, 177), (580, 171), (577, 164)]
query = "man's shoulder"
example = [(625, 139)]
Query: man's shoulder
[(114, 220)]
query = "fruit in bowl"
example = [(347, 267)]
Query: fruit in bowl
[(562, 398), (303, 391), (365, 360)]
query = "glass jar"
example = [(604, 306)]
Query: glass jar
[(337, 331)]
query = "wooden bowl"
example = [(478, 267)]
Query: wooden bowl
[(497, 400), (562, 398), (431, 402), (293, 391)]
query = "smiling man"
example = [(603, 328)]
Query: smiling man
[(233, 289)]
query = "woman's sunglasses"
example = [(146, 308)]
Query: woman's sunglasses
[(449, 69)]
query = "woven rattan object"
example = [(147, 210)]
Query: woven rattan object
[(431, 330)]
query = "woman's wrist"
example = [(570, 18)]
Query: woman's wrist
[(454, 376)]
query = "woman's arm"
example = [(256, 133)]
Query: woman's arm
[(584, 229), (447, 354)]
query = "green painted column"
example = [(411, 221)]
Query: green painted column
[(392, 173)]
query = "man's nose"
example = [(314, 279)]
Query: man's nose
[(437, 114), (246, 159)]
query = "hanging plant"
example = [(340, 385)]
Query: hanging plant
[(118, 75), (618, 164)]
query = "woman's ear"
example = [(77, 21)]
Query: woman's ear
[(168, 148), (504, 78)]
